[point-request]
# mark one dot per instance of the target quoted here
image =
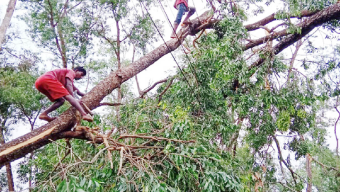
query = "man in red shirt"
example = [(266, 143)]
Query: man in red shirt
[(182, 6), (57, 85)]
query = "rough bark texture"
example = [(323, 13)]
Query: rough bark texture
[(9, 175), (119, 91), (41, 136), (10, 182), (6, 20), (309, 173)]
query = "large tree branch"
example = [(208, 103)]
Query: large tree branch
[(9, 174), (270, 18), (39, 137), (328, 14), (318, 18)]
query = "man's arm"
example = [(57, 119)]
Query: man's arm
[(78, 92), (69, 86)]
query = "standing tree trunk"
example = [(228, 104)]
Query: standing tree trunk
[(119, 66), (30, 175), (31, 119), (56, 28), (308, 170), (309, 173), (30, 187), (10, 182), (6, 21)]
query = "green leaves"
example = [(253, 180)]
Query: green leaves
[(18, 97), (211, 183), (283, 121), (74, 186), (62, 28), (300, 147)]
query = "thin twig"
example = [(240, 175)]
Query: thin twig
[(167, 87), (336, 137), (281, 159), (108, 151), (154, 138), (121, 160), (151, 87), (323, 165)]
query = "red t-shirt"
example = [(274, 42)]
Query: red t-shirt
[(61, 74), (181, 1)]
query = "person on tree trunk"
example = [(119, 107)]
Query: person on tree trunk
[(57, 85), (182, 7)]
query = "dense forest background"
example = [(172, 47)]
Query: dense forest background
[(246, 99)]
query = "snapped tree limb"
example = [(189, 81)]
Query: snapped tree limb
[(316, 19), (306, 26), (271, 18)]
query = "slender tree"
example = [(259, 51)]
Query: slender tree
[(6, 21)]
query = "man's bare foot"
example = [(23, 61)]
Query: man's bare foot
[(186, 23), (88, 118), (46, 117)]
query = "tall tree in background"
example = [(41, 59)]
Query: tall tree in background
[(18, 101), (6, 113), (6, 21), (128, 24), (65, 36)]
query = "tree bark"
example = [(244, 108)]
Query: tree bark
[(297, 47), (6, 21), (10, 182), (57, 30), (39, 137), (30, 186), (309, 173), (119, 91), (63, 46)]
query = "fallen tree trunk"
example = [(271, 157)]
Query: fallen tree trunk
[(25, 144)]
